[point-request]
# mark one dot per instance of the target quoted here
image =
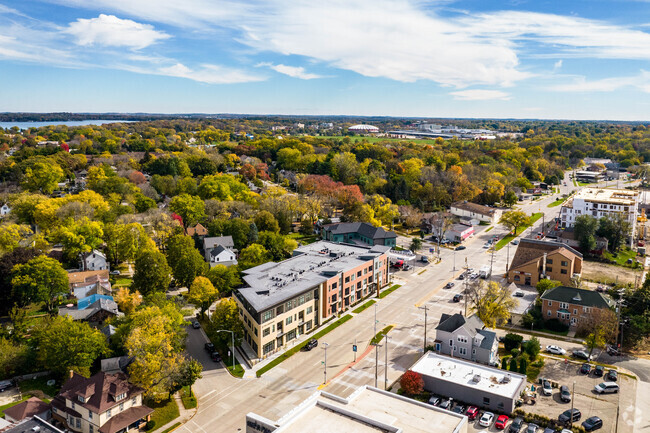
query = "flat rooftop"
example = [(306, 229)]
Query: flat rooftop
[(469, 374), (368, 409), (275, 282), (608, 195)]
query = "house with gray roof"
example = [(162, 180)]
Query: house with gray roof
[(359, 234), (222, 256), (213, 243), (466, 338), (95, 313), (571, 305)]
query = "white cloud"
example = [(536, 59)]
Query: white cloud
[(112, 31), (581, 84), (557, 65), (480, 95), (209, 74), (292, 71)]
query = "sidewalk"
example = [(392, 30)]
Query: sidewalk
[(185, 414)]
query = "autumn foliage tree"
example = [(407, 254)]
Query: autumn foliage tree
[(412, 383)]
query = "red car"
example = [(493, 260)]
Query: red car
[(501, 422), (471, 413)]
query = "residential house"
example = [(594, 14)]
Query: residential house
[(198, 230), (86, 283), (104, 403), (212, 243), (466, 338), (359, 233), (571, 305), (33, 424), (538, 259), (94, 261), (473, 210), (27, 409), (222, 256), (5, 209), (455, 233), (116, 365), (95, 313)]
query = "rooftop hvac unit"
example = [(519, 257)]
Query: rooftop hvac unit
[(476, 378), (506, 379)]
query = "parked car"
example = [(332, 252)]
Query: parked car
[(581, 354), (487, 245), (555, 350), (459, 409), (567, 416), (515, 242), (501, 422), (518, 294), (457, 297), (612, 375), (434, 400), (116, 272), (424, 259), (5, 385), (565, 394), (606, 388), (460, 247), (547, 389), (449, 285), (516, 425), (311, 344), (209, 347), (196, 324), (613, 351), (486, 419), (549, 430), (215, 357), (592, 423), (586, 368), (461, 276), (532, 428), (471, 413), (406, 267), (599, 371), (445, 404)]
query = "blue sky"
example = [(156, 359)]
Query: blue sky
[(469, 58)]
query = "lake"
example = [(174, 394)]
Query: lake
[(25, 125)]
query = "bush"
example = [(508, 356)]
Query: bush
[(504, 364), (150, 425), (555, 325), (412, 383), (513, 364), (532, 347), (512, 341), (523, 365), (514, 353)]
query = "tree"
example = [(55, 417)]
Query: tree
[(202, 293), (152, 273), (189, 372), (224, 278), (504, 364), (78, 237), (279, 247), (13, 356), (8, 297), (190, 208), (225, 317), (265, 221), (514, 219), (513, 364), (185, 260), (40, 279), (584, 229), (412, 383), (253, 255), (532, 348), (11, 235), (615, 228), (416, 244), (523, 365), (510, 199), (64, 344), (512, 341), (127, 301), (491, 302), (546, 284), (599, 326), (42, 177)]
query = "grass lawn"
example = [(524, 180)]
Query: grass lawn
[(364, 306), (298, 237), (237, 370), (171, 428), (297, 348), (584, 183), (39, 384), (621, 257), (122, 281), (163, 412), (488, 229), (380, 335), (189, 401), (533, 369), (557, 202), (503, 242), (388, 291), (574, 182)]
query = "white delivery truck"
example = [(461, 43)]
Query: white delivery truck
[(484, 272)]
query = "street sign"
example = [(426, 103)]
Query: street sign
[(430, 250), (354, 347)]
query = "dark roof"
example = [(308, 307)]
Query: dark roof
[(489, 339), (573, 295), (32, 425), (364, 229), (27, 409), (531, 249), (97, 306), (212, 242), (106, 387), (125, 419), (451, 323), (216, 251)]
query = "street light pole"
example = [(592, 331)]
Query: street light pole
[(325, 346), (426, 309), (386, 364), (232, 348), (454, 270), (573, 393)]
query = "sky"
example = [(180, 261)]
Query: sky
[(557, 59)]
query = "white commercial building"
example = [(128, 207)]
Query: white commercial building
[(476, 384), (599, 203), (368, 410)]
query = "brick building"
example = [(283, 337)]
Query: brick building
[(570, 305), (538, 259)]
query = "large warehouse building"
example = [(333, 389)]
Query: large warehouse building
[(363, 129)]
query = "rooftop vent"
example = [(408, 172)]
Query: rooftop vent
[(577, 297), (476, 378), (506, 379)]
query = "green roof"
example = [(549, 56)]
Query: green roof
[(572, 295)]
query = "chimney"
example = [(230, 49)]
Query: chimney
[(544, 265), (71, 374)]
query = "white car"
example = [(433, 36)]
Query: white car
[(556, 350), (547, 389), (486, 419)]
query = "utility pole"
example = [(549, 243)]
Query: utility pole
[(325, 345), (386, 364), (508, 259), (573, 394), (424, 345), (375, 333), (377, 346), (494, 247), (466, 284)]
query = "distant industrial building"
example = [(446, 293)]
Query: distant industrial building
[(367, 410), (363, 129), (486, 387), (290, 298)]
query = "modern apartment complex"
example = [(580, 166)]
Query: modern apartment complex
[(287, 299), (600, 202)]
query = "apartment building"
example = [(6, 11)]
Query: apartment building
[(287, 299), (570, 305), (538, 259)]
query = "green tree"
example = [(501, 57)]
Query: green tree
[(615, 228), (253, 255), (64, 344), (523, 365), (202, 293), (224, 278), (40, 279), (532, 348), (11, 235), (279, 247), (190, 371), (189, 207), (512, 341), (514, 219), (185, 260), (599, 327), (9, 297), (416, 244), (13, 356), (225, 317), (513, 364), (42, 177), (78, 237), (152, 273), (491, 302), (510, 199), (546, 284), (265, 221), (504, 364), (584, 229)]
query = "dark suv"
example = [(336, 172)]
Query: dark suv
[(311, 344), (566, 416), (516, 425), (209, 347)]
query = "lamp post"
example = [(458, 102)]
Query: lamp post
[(386, 364), (573, 392), (454, 270), (377, 346), (325, 346), (232, 349)]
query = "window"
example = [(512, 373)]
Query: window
[(108, 413), (267, 315), (517, 278), (486, 401), (550, 303), (91, 429), (308, 325), (279, 310), (81, 399), (473, 351), (462, 339), (334, 285), (563, 271), (359, 274), (266, 332), (549, 269), (347, 279), (451, 342), (289, 320), (255, 331), (575, 311), (78, 422), (121, 407), (301, 300), (120, 397), (291, 335), (565, 263), (134, 401), (462, 351), (90, 415), (558, 315), (564, 305), (549, 313), (268, 347), (309, 310), (549, 261), (289, 305), (334, 297), (72, 405), (352, 277)]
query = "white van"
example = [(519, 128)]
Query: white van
[(606, 387)]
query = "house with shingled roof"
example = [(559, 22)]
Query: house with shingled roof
[(571, 305), (103, 403), (538, 259), (466, 338), (362, 234), (27, 409)]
